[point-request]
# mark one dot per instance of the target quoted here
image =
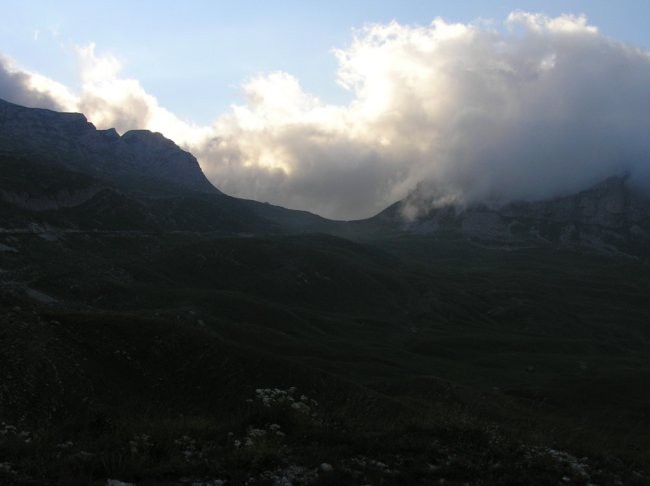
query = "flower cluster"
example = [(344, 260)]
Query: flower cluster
[(275, 397), (188, 448), (63, 447), (123, 354), (270, 433), (574, 467), (288, 475), (140, 444), (365, 462), (12, 433)]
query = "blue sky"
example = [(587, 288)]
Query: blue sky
[(193, 56)]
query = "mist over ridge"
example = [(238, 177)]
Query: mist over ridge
[(466, 113)]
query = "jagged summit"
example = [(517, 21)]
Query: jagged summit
[(69, 139)]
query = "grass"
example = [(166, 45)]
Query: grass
[(468, 365)]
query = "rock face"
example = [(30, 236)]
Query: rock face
[(609, 218), (156, 154), (69, 140)]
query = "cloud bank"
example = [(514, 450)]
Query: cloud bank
[(463, 112), (28, 89)]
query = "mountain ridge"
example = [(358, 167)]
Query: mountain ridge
[(71, 140), (60, 170), (610, 218)]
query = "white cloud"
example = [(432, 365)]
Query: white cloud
[(109, 100), (464, 111), (539, 23), (31, 89)]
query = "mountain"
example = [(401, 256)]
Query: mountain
[(71, 141), (609, 218), (58, 170)]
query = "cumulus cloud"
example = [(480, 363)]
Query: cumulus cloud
[(31, 89), (545, 107), (106, 98), (109, 100), (462, 112)]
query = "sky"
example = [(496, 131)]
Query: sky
[(342, 108)]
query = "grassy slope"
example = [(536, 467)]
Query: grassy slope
[(413, 360)]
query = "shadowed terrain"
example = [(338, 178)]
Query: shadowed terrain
[(165, 333)]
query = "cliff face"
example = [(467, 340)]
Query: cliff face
[(70, 140)]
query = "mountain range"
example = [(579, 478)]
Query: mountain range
[(154, 330), (609, 218), (146, 181)]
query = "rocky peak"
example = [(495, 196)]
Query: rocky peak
[(36, 131), (109, 134), (70, 140)]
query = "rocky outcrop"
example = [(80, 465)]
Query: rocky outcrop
[(70, 140)]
